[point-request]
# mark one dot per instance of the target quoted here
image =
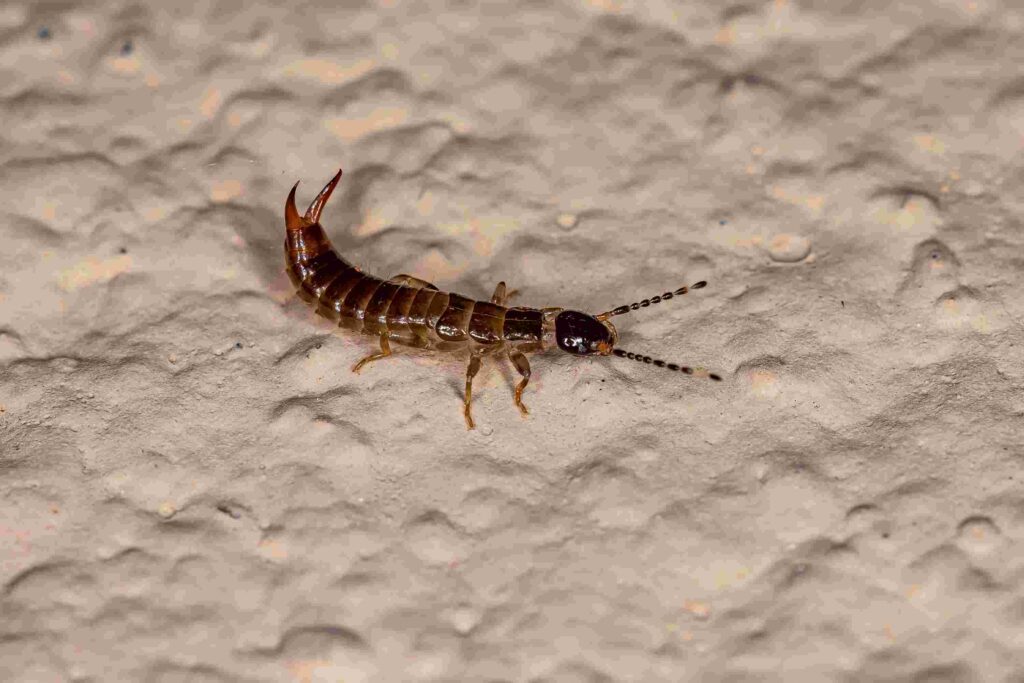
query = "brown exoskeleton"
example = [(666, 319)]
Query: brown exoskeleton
[(407, 310)]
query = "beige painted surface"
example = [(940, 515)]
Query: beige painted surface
[(194, 487)]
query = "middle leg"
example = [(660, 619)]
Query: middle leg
[(519, 360)]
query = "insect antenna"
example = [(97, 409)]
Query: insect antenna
[(653, 300), (685, 369)]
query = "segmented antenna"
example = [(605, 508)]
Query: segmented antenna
[(685, 369), (653, 300)]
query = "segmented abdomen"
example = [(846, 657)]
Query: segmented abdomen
[(417, 316)]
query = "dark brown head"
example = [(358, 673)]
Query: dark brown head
[(582, 335)]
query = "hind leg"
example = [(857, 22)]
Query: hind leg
[(385, 351), (411, 281), (502, 294)]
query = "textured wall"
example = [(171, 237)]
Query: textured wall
[(194, 487)]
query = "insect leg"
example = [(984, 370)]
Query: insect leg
[(411, 281), (471, 370), (502, 294), (385, 351), (519, 360), (499, 294)]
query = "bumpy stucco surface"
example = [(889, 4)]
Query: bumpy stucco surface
[(194, 487)]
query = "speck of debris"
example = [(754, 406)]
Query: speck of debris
[(228, 510), (126, 47), (44, 33), (319, 346), (238, 345), (843, 303), (721, 222), (568, 221), (789, 248), (122, 250)]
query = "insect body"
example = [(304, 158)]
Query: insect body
[(410, 311)]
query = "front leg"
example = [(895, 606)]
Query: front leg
[(474, 366)]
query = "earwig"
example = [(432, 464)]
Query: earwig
[(412, 312)]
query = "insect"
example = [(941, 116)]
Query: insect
[(412, 312)]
